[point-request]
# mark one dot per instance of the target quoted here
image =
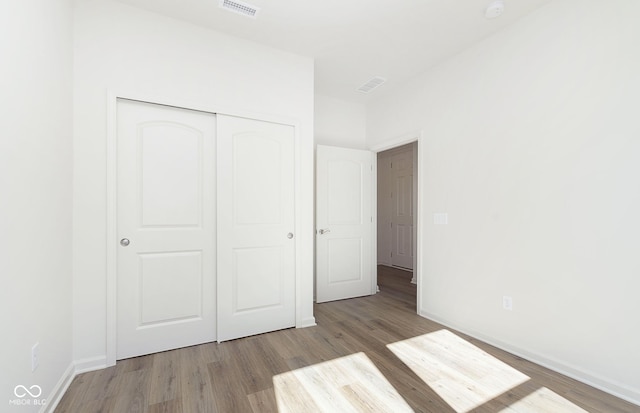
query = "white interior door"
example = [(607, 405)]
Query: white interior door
[(256, 237), (344, 223), (166, 228), (402, 210)]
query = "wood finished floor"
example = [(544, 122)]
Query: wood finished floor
[(352, 361)]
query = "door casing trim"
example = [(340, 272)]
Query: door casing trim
[(416, 136)]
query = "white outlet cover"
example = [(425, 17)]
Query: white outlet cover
[(494, 9), (35, 357), (441, 218)]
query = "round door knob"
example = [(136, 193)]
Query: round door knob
[(124, 242), (290, 235)]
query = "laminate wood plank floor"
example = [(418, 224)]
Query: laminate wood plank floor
[(369, 354)]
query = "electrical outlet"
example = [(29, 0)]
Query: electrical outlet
[(441, 218), (35, 356), (507, 303)]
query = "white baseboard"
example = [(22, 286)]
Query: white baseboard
[(594, 380), (75, 368), (59, 389), (91, 364), (307, 322)]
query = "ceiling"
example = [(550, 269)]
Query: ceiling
[(354, 40)]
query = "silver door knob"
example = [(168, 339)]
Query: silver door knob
[(124, 242), (290, 235), (324, 231)]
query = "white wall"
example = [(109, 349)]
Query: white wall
[(339, 123), (35, 195), (124, 49), (532, 145)]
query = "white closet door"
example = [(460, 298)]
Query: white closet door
[(402, 210), (166, 227), (344, 223), (256, 236)]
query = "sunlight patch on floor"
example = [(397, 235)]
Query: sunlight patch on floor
[(460, 373), (347, 384), (543, 401)]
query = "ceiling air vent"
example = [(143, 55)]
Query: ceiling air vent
[(372, 84), (239, 8)]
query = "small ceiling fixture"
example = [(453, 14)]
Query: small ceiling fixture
[(239, 8), (372, 84), (494, 9)]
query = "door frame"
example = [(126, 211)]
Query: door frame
[(417, 137), (111, 199)]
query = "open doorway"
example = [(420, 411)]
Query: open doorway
[(396, 217)]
